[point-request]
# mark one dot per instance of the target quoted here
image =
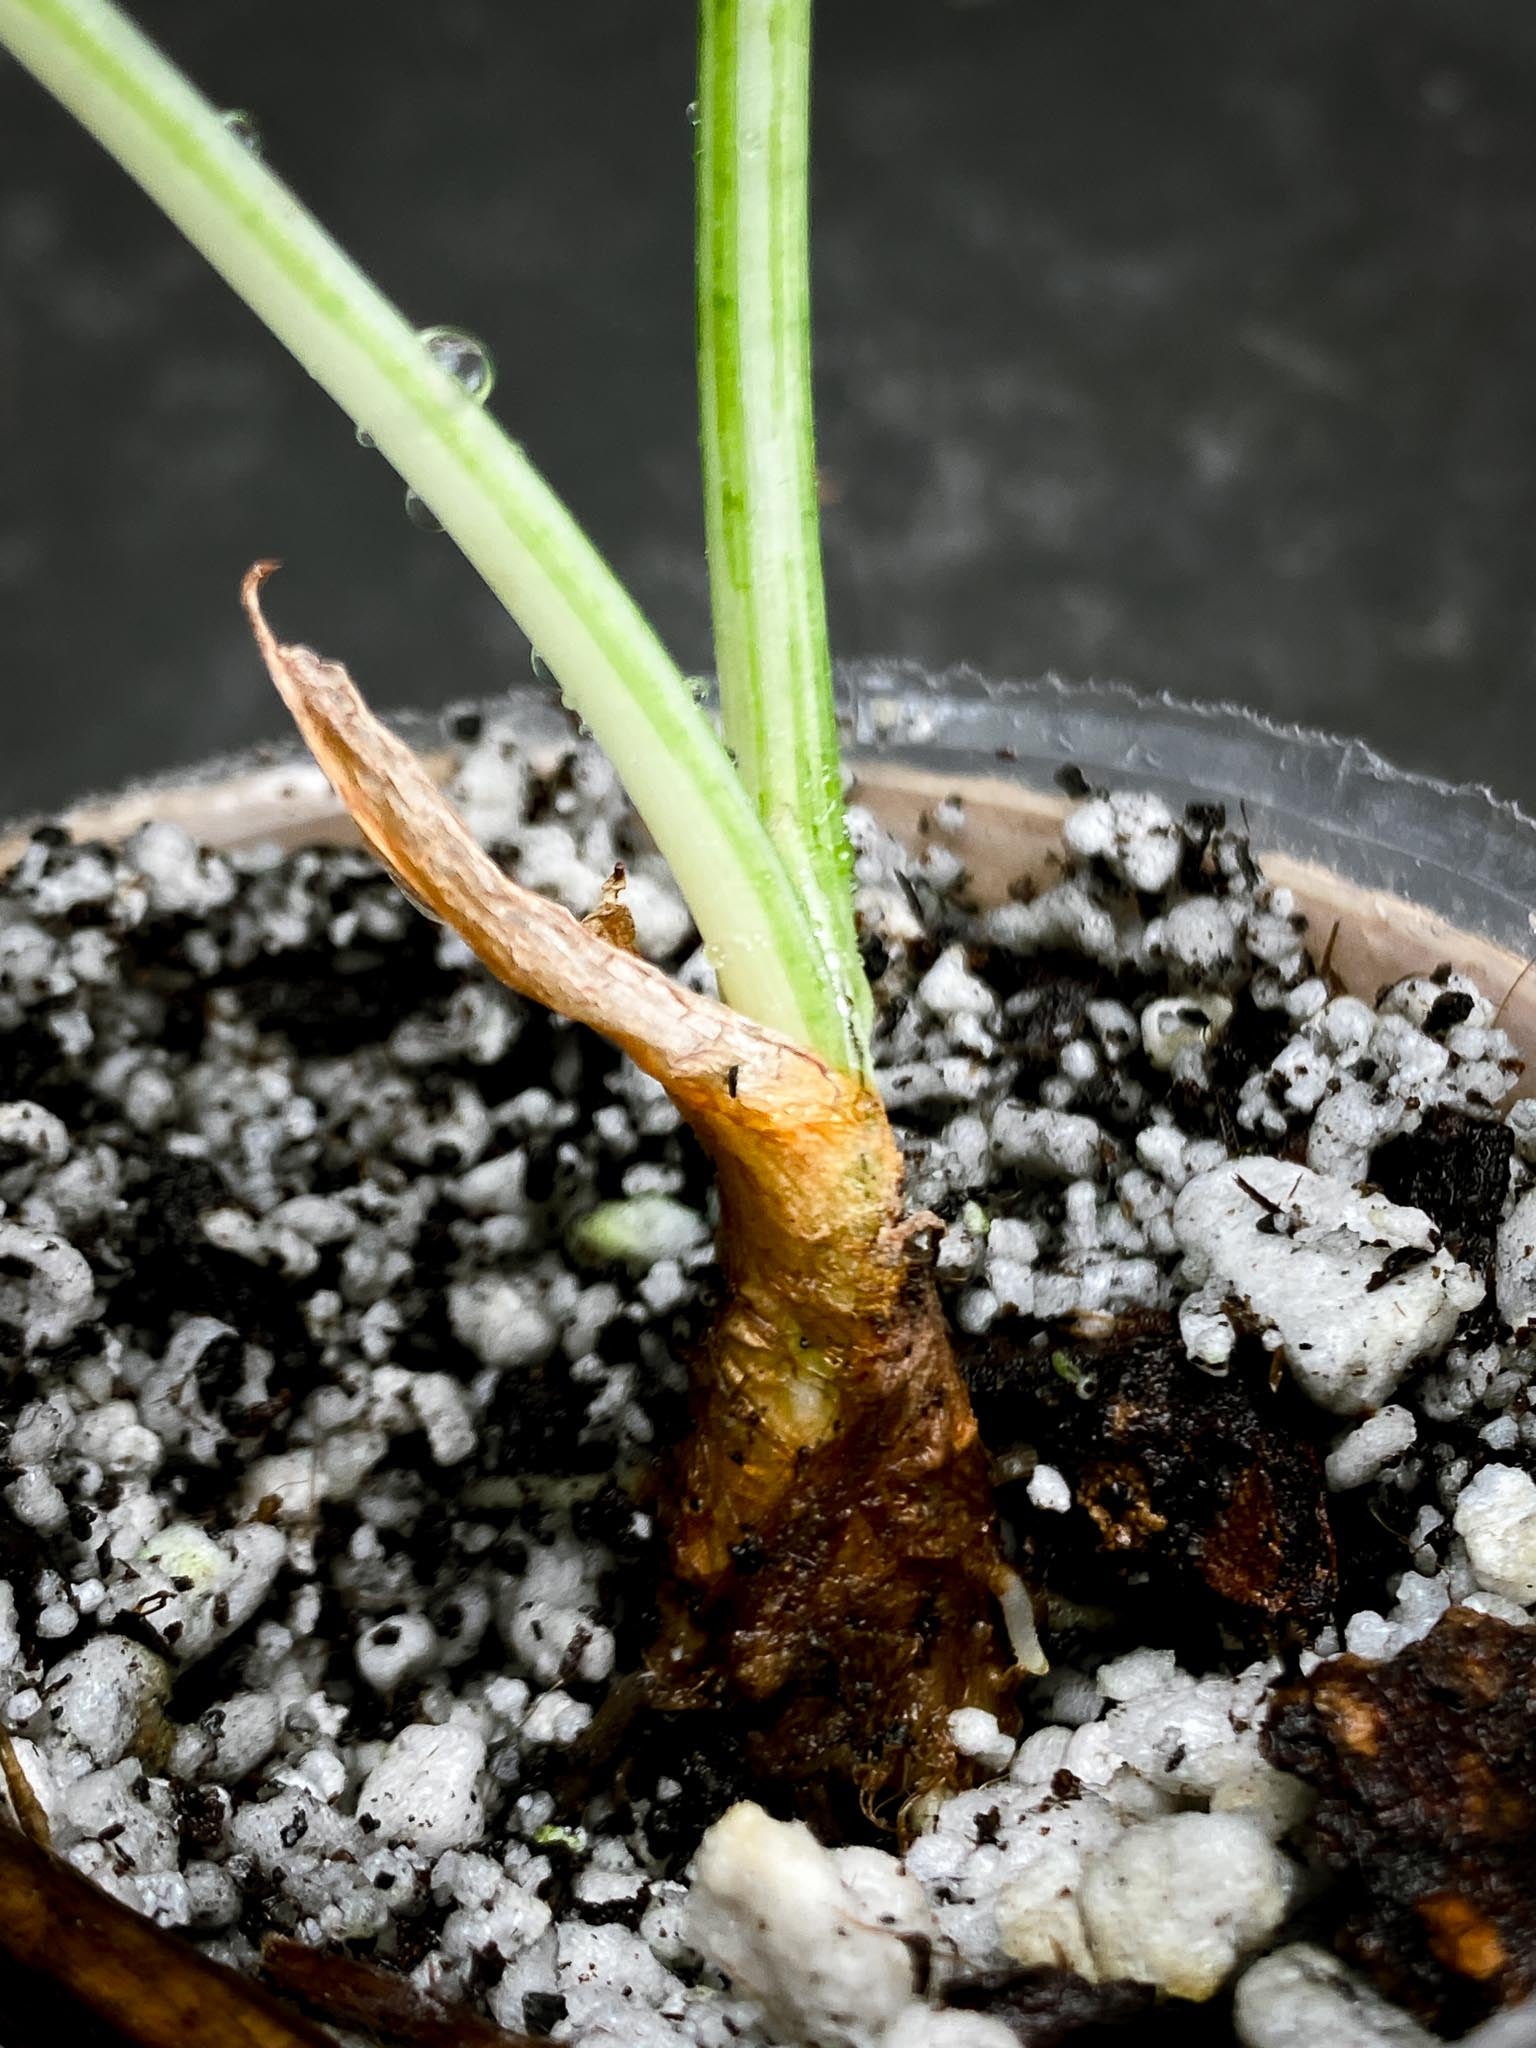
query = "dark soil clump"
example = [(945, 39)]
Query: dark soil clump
[(1425, 1768), (1198, 1504)]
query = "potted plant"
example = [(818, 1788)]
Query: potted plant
[(834, 1584)]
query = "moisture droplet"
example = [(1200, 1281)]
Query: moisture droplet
[(466, 360), (583, 730), (537, 664), (410, 894), (416, 904), (469, 363), (421, 515), (693, 113), (241, 123)]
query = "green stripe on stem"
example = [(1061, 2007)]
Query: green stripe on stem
[(479, 483), (761, 512)]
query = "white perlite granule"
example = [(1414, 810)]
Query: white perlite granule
[(108, 1695), (423, 1791), (920, 2027), (1515, 1264), (770, 1910), (1047, 1489), (1359, 1456), (1179, 1901), (975, 1733), (1307, 1255), (1047, 1142), (1302, 1997), (1134, 834), (1496, 1519)]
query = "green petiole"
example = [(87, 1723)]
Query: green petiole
[(767, 944), (757, 434)]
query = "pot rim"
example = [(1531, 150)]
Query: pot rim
[(1458, 848), (1396, 872), (1464, 852)]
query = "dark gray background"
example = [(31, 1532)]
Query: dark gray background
[(1189, 342)]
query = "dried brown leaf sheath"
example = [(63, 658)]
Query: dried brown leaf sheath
[(64, 1939), (383, 2005), (834, 1549)]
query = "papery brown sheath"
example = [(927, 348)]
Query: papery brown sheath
[(835, 1569)]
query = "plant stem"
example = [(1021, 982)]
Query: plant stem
[(479, 483), (837, 1578), (758, 439)]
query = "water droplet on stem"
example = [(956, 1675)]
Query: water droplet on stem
[(242, 124), (466, 359), (469, 363)]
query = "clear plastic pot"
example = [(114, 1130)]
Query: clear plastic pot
[(1397, 872)]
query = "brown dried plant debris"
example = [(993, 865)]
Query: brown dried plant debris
[(1047, 2007), (73, 1952), (344, 1992), (611, 917), (25, 1804), (1425, 1767), (836, 1569), (1196, 1499)]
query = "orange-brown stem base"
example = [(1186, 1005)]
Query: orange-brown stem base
[(836, 1562)]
